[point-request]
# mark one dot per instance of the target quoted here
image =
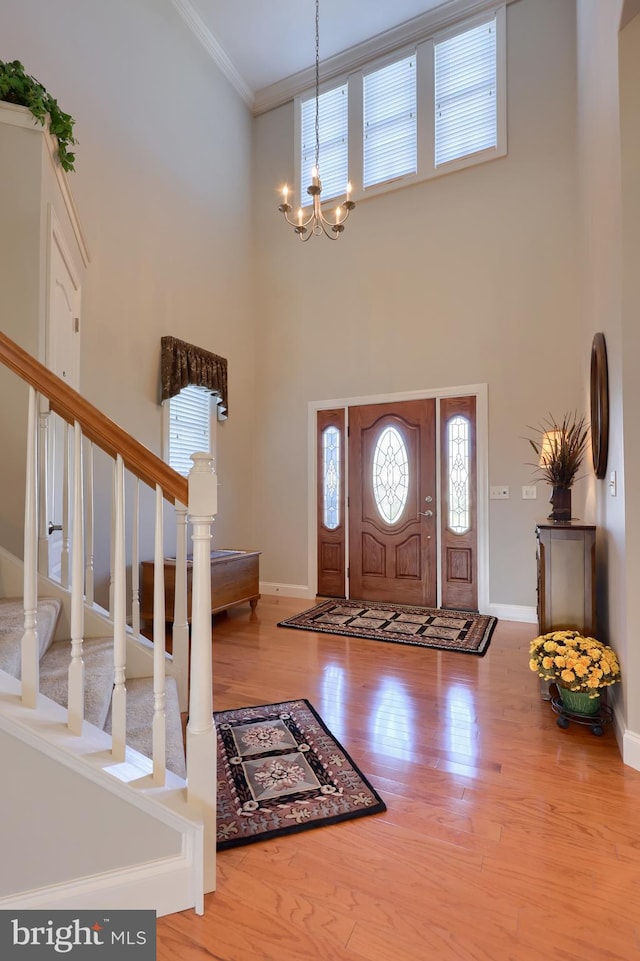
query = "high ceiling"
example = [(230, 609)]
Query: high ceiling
[(269, 40)]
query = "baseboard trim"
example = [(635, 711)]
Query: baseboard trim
[(165, 886), (504, 612), (630, 747), (273, 589), (514, 612)]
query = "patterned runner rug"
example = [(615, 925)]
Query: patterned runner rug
[(421, 626), (281, 771)]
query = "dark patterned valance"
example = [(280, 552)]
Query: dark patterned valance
[(183, 364)]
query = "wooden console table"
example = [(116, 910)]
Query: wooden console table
[(235, 579)]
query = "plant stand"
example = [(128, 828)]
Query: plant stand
[(596, 721)]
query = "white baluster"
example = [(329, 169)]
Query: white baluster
[(118, 579), (201, 735), (159, 628), (43, 488), (76, 668), (89, 584), (180, 631), (64, 559), (30, 643), (112, 553), (135, 559)]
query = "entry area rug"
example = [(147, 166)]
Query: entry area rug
[(458, 631), (280, 771)]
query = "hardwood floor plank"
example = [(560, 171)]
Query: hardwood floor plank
[(487, 802)]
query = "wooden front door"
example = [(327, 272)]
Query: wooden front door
[(392, 502)]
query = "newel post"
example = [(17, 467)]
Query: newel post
[(201, 735)]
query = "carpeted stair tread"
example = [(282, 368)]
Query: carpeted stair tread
[(140, 718), (98, 676), (12, 629)]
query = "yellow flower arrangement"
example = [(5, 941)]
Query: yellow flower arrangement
[(574, 662)]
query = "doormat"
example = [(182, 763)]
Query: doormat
[(281, 771), (458, 631)]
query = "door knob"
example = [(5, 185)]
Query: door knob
[(54, 527), (426, 513)]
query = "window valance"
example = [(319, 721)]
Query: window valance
[(183, 364)]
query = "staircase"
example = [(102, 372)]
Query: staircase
[(102, 805), (98, 664)]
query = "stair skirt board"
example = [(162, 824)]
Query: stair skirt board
[(12, 629), (165, 886)]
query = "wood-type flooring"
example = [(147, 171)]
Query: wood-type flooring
[(505, 838)]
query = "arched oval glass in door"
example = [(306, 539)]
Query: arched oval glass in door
[(392, 533), (390, 474)]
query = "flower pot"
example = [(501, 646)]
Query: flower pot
[(560, 504), (577, 702)]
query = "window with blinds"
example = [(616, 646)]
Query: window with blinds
[(440, 106), (390, 125), (333, 119), (466, 118), (189, 427)]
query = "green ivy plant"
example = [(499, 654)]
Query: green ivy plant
[(18, 87)]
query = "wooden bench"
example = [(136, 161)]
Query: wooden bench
[(235, 579)]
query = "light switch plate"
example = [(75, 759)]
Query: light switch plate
[(499, 493), (530, 493)]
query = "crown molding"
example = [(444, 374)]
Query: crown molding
[(202, 33), (414, 30)]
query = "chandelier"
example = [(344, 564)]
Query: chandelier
[(316, 223)]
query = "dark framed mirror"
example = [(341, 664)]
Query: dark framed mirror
[(599, 405)]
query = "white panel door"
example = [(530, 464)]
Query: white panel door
[(63, 358)]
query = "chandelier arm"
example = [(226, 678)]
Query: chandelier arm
[(331, 234)]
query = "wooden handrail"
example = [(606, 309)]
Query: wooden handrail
[(96, 426)]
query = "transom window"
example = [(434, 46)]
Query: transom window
[(438, 106), (390, 123), (334, 142), (466, 120)]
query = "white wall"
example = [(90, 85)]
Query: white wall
[(609, 141), (466, 279), (630, 164), (162, 188)]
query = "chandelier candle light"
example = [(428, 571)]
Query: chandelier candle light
[(316, 222)]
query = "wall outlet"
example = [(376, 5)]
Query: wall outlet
[(499, 493), (529, 493)]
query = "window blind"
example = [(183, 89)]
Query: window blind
[(334, 143), (390, 130), (465, 93), (189, 427)]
